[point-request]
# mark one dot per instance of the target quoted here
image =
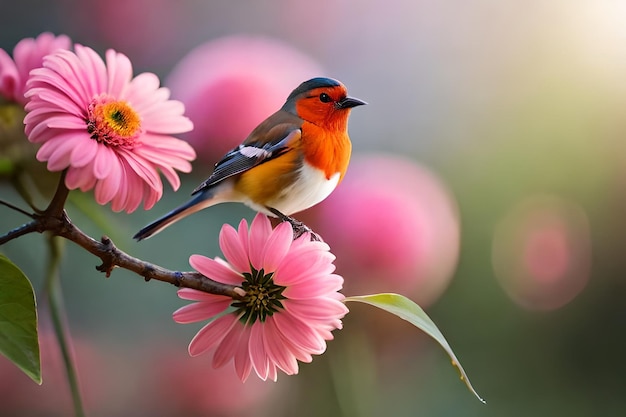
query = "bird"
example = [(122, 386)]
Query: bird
[(291, 161)]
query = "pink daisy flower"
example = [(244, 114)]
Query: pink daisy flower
[(27, 55), (290, 301), (110, 131)]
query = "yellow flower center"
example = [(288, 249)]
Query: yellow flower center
[(113, 122)]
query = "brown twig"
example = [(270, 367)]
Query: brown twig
[(54, 219), (15, 208)]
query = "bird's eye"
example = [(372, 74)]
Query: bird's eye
[(325, 98)]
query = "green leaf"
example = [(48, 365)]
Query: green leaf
[(18, 320), (411, 312)]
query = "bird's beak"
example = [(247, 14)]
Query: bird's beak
[(349, 102)]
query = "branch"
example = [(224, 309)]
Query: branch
[(20, 231), (113, 257), (55, 220), (16, 208)]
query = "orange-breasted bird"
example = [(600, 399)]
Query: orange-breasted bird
[(290, 162)]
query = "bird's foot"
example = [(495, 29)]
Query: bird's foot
[(298, 227)]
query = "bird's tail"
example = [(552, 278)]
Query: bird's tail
[(199, 202)]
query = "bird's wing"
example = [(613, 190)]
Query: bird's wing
[(248, 155)]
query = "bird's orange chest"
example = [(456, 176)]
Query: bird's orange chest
[(326, 149)]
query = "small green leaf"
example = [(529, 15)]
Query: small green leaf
[(18, 320), (411, 312)]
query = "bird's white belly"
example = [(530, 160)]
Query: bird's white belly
[(311, 188)]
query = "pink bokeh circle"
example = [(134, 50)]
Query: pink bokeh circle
[(231, 84), (394, 227), (542, 252)]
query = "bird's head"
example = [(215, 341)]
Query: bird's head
[(322, 101)]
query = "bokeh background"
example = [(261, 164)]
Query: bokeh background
[(488, 184)]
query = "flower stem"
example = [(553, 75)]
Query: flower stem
[(54, 295), (57, 204)]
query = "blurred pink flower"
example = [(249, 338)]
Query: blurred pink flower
[(200, 390), (542, 252), (394, 227), (291, 301), (148, 30), (27, 55), (231, 84), (22, 397), (109, 130)]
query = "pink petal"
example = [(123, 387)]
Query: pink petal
[(299, 333), (227, 348), (243, 363), (94, 70), (141, 167), (59, 159), (127, 195), (171, 175), (167, 118), (277, 246), (71, 68), (277, 350), (107, 188), (80, 178), (148, 104), (311, 288), (9, 78), (24, 56), (117, 174), (211, 334), (272, 373), (104, 161), (260, 231), (215, 270), (178, 158), (55, 101), (29, 53), (151, 196), (242, 232), (235, 253), (287, 276), (258, 355), (169, 145), (84, 154), (299, 353), (319, 310), (48, 148), (195, 295), (143, 83), (200, 311), (131, 192), (39, 114), (120, 72), (38, 132), (299, 263), (66, 122), (55, 77), (303, 242), (166, 161)]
